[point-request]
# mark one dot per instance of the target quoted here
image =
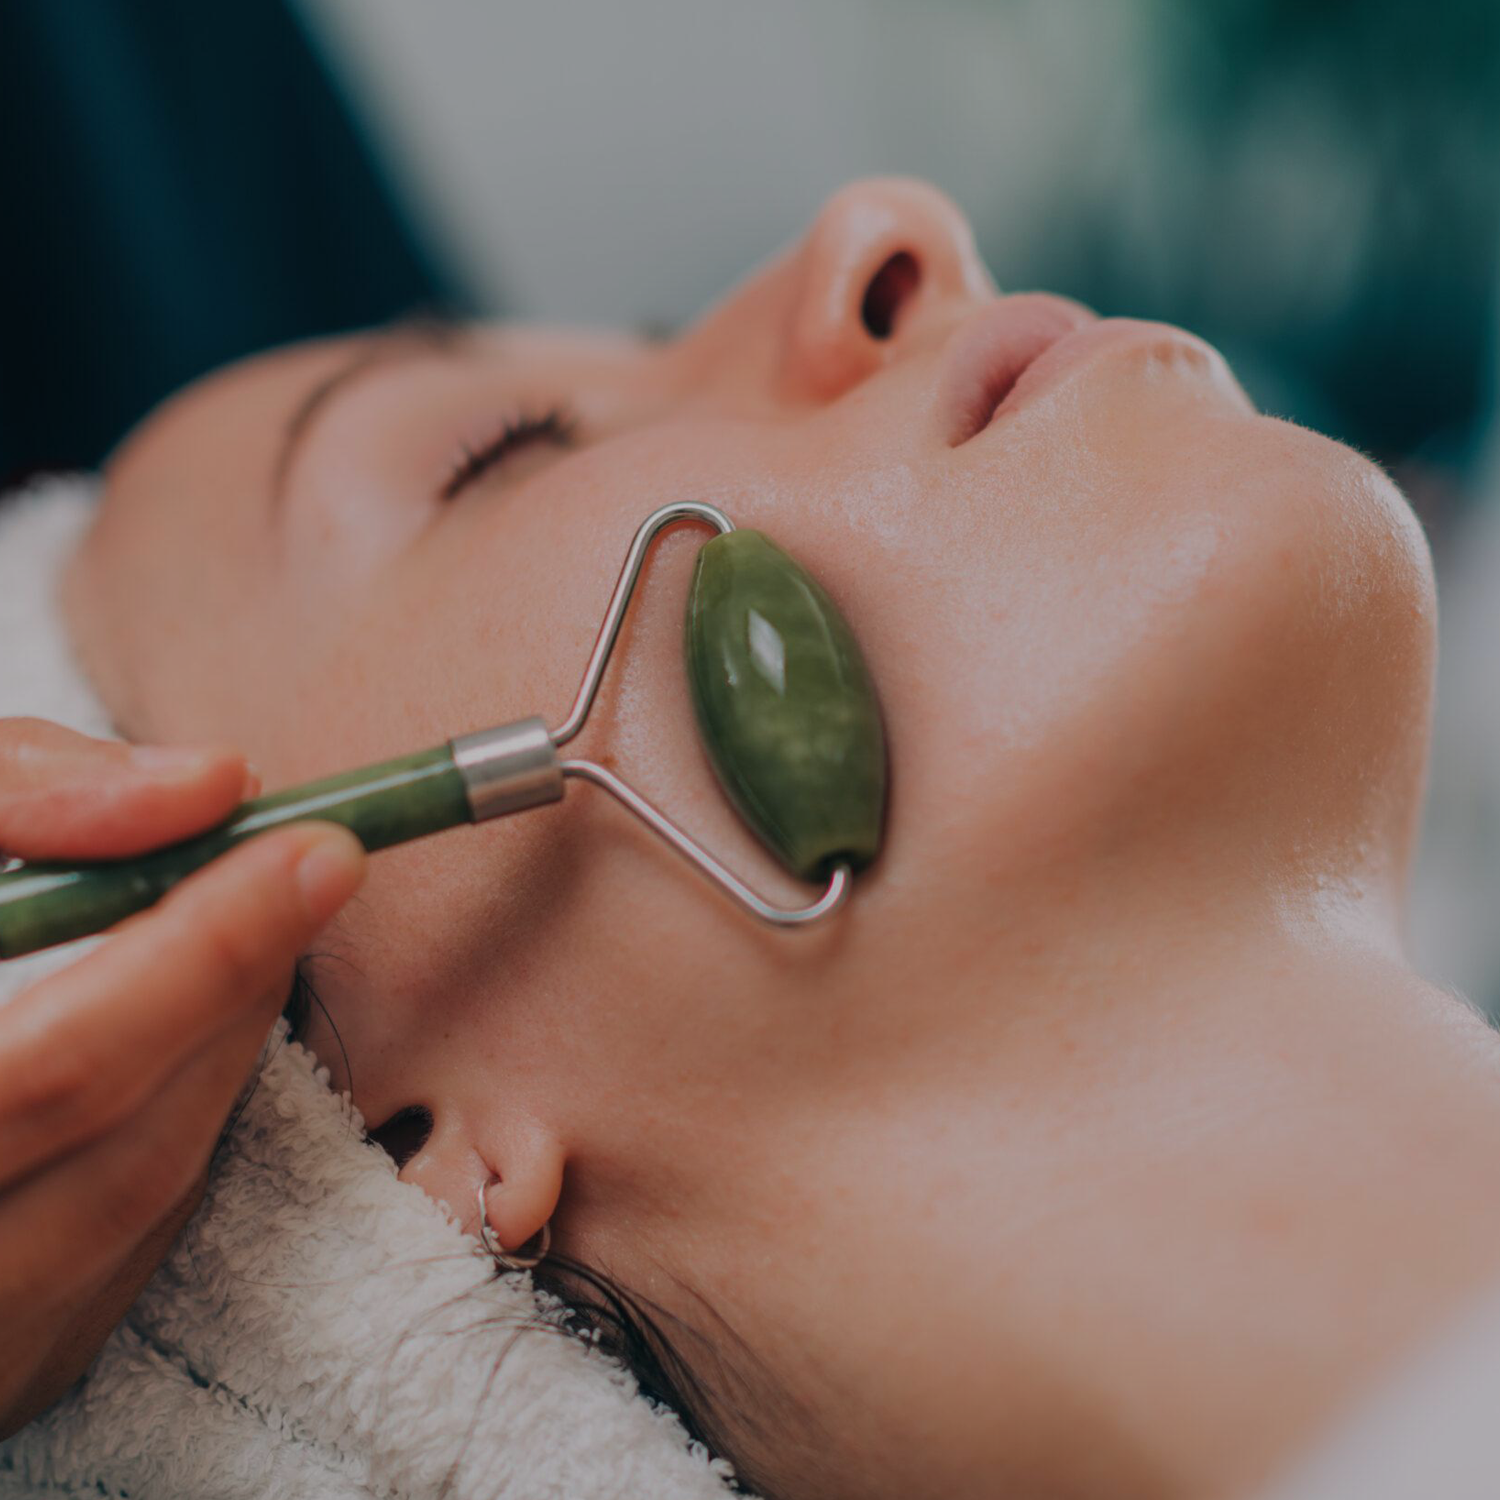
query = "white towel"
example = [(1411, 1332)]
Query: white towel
[(320, 1330)]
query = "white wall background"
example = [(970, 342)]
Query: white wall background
[(624, 160)]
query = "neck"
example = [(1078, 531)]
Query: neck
[(1287, 1141)]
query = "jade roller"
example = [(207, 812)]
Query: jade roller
[(784, 705)]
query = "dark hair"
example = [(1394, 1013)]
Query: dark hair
[(635, 1333), (707, 1392)]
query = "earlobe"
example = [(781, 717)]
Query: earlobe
[(530, 1177), (515, 1170)]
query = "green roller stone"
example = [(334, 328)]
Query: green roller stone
[(785, 705)]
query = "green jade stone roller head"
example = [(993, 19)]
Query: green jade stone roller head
[(784, 704)]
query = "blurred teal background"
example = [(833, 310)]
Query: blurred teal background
[(181, 183), (1314, 185)]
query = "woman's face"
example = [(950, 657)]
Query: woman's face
[(1154, 667)]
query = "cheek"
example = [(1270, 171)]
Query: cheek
[(490, 616), (1163, 616)]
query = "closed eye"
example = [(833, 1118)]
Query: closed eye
[(517, 432)]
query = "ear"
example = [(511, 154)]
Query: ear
[(518, 1163)]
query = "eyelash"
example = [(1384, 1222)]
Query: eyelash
[(519, 430)]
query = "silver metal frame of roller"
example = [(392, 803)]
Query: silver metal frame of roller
[(515, 766)]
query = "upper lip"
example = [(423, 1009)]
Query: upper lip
[(991, 350)]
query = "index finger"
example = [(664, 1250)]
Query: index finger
[(67, 796)]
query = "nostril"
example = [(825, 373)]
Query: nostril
[(889, 290), (404, 1134)]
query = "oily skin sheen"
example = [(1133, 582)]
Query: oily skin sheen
[(1105, 1140)]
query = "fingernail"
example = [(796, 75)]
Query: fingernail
[(170, 760), (253, 783), (327, 875)]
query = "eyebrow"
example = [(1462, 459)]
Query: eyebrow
[(412, 338)]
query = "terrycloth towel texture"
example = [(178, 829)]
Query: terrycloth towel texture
[(320, 1330)]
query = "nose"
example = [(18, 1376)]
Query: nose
[(883, 261), (886, 262)]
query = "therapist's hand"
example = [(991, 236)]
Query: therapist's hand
[(117, 1074)]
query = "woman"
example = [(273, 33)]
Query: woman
[(1112, 1064)]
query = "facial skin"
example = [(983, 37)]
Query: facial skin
[(1013, 1178)]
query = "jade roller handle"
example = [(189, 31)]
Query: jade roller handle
[(466, 780)]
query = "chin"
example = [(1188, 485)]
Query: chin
[(1304, 685)]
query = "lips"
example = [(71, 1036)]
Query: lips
[(993, 349)]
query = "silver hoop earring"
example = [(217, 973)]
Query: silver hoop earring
[(511, 1260)]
